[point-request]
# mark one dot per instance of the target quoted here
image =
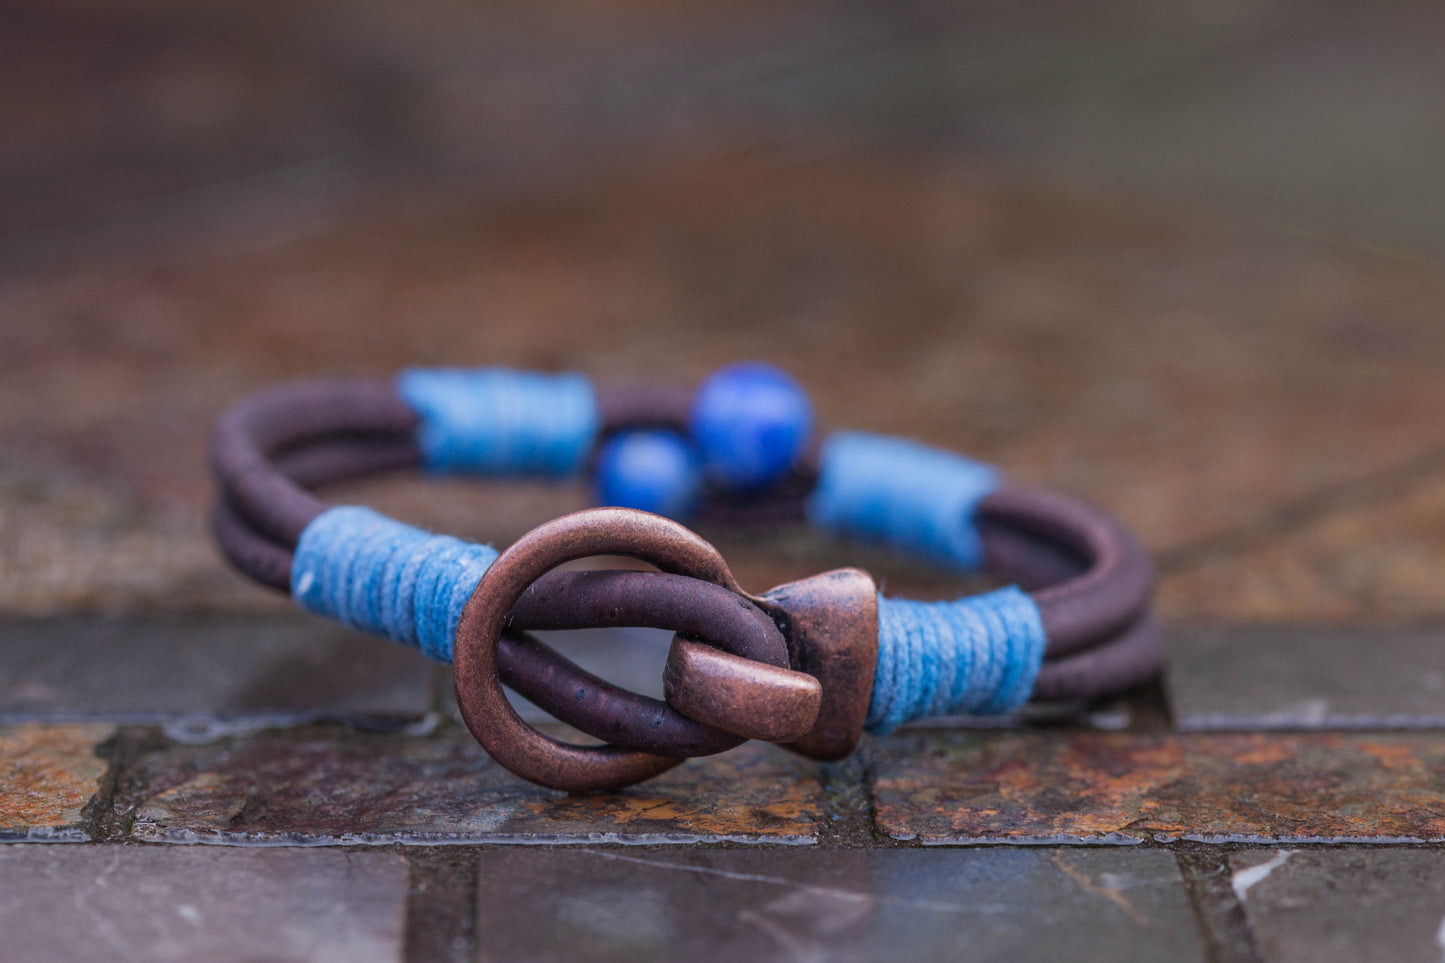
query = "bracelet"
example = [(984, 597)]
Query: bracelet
[(810, 664)]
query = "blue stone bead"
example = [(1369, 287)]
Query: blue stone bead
[(751, 422), (655, 471)]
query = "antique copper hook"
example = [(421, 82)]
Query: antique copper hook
[(491, 719)]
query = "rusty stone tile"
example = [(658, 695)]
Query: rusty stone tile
[(193, 674), (48, 773), (1343, 905), (339, 787), (1121, 787), (126, 903), (757, 906), (1372, 555), (1277, 677)]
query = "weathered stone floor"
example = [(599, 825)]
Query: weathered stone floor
[(1184, 262)]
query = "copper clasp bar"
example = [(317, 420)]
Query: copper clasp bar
[(831, 624)]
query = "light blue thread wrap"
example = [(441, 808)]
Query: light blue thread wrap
[(381, 576), (495, 421), (914, 498), (978, 655)]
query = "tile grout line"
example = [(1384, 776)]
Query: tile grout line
[(101, 820), (441, 903), (847, 820), (1223, 926)]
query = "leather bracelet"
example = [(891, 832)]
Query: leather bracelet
[(803, 664)]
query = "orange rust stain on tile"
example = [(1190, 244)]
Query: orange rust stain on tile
[(1282, 785), (752, 791), (1076, 786), (1267, 754), (1391, 756), (47, 774)]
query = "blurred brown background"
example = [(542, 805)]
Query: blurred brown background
[(1182, 259)]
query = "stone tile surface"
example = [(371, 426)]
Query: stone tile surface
[(193, 672), (71, 542), (143, 904), (1312, 678), (1337, 905), (338, 787), (1364, 554), (48, 774), (1125, 787), (1015, 904)]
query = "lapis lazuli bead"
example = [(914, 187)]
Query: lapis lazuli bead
[(655, 471), (751, 422)]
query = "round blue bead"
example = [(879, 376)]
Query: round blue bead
[(751, 421), (655, 471)]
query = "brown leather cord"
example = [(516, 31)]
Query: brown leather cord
[(1109, 594), (255, 431), (1129, 659), (248, 551), (642, 404), (1019, 532)]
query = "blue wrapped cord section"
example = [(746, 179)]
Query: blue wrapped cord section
[(388, 578), (913, 498), (978, 655), (495, 421)]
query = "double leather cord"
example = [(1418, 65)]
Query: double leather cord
[(272, 452)]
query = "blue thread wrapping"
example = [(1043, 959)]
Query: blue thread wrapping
[(978, 655), (495, 421), (381, 576), (913, 498)]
